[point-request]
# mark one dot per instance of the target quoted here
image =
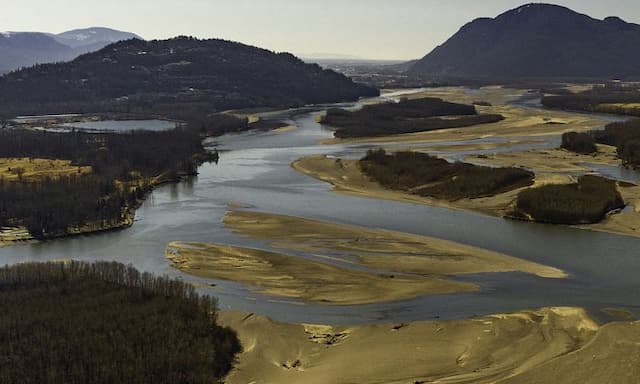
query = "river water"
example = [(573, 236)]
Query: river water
[(254, 171)]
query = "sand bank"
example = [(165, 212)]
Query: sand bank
[(381, 249), (553, 345), (295, 277), (542, 161), (11, 235)]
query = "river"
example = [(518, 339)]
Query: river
[(254, 171)]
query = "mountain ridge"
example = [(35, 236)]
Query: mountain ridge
[(174, 76), (24, 49), (537, 40)]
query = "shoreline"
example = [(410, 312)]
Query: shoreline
[(549, 345), (293, 277), (342, 264), (129, 212), (381, 250)]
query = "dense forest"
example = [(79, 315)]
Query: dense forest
[(50, 208), (406, 116), (425, 175), (579, 142), (125, 166), (625, 136), (76, 322), (180, 78), (587, 201)]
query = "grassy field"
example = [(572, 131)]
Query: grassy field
[(30, 169)]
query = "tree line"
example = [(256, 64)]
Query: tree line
[(406, 116), (426, 175), (608, 99), (125, 166)]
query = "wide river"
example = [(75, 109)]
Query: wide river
[(254, 171)]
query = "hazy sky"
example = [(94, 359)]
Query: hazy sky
[(381, 29)]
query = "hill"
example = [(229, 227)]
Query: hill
[(178, 75), (537, 41), (24, 49)]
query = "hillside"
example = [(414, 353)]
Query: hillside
[(24, 49), (173, 75), (537, 41)]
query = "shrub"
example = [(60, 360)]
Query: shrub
[(587, 201), (583, 143)]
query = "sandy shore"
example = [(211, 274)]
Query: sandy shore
[(552, 166), (397, 266), (381, 249), (556, 165), (544, 161), (553, 345), (295, 277)]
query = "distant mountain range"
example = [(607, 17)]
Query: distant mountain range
[(179, 75), (537, 41), (24, 49)]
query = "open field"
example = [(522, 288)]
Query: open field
[(295, 277), (552, 345), (29, 169), (381, 249)]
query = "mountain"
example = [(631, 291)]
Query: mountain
[(173, 75), (93, 37), (24, 49), (537, 41)]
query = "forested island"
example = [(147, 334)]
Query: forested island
[(75, 322), (425, 175), (406, 116), (624, 136), (585, 202), (616, 99)]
